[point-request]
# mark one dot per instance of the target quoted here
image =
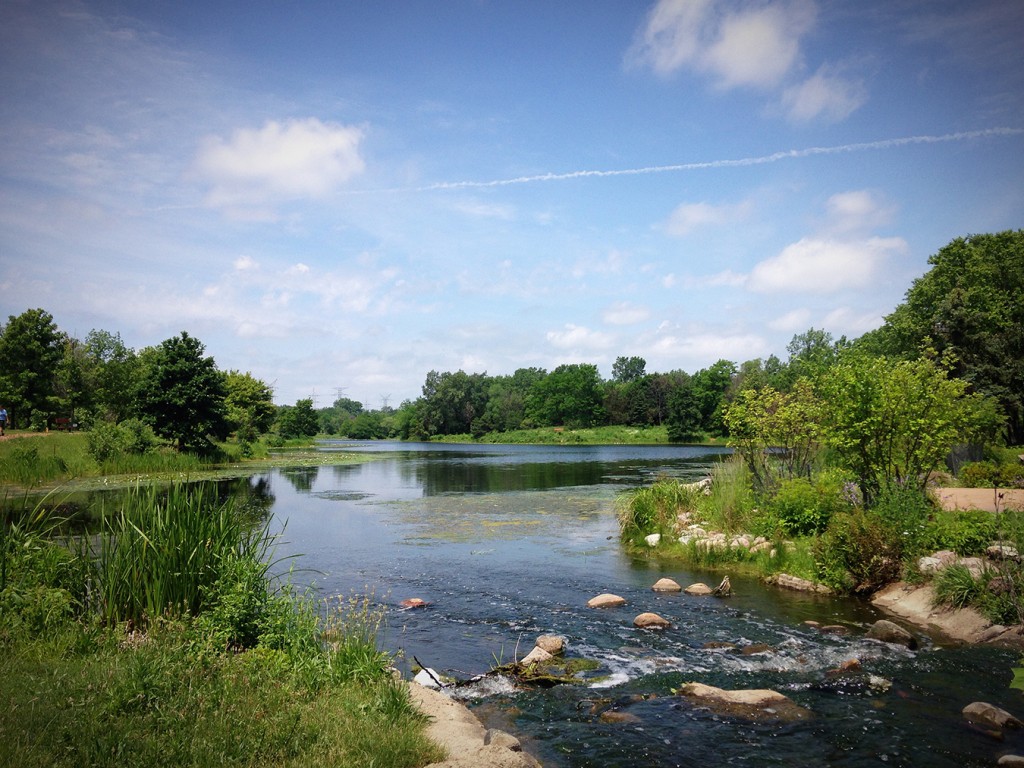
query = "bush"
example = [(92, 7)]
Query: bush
[(905, 511), (803, 508), (131, 437), (655, 509), (966, 533), (991, 474), (858, 553)]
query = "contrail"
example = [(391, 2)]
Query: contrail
[(775, 157)]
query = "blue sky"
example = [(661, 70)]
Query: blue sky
[(342, 196)]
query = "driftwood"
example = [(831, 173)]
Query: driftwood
[(546, 674)]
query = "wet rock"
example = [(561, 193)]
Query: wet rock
[(429, 678), (617, 716), (888, 632), (413, 602), (1011, 760), (502, 739), (850, 666), (755, 648), (606, 600), (834, 629), (536, 656), (698, 589), (758, 704), (553, 644), (990, 716), (651, 621), (717, 645), (787, 581), (666, 585)]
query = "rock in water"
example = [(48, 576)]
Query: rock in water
[(651, 621), (607, 600), (989, 715), (666, 585), (888, 632), (698, 589), (757, 704)]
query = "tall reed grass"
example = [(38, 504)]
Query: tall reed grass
[(655, 509), (162, 551)]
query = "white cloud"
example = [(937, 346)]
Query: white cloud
[(825, 94), (622, 313), (280, 161), (695, 349), (578, 338), (243, 263), (845, 321), (823, 265), (794, 320), (748, 45), (687, 217), (758, 47), (856, 211)]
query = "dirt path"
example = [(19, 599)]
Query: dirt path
[(986, 499)]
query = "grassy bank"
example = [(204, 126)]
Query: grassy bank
[(616, 435), (818, 530), (42, 460), (161, 641)]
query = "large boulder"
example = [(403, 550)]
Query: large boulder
[(698, 589), (755, 704), (606, 600), (888, 632), (990, 716), (787, 581)]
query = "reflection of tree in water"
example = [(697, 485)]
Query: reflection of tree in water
[(301, 478), (252, 495)]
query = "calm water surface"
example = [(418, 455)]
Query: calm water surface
[(509, 542)]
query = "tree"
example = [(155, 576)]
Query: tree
[(628, 369), (112, 372), (684, 420), (778, 434), (250, 405), (451, 402), (505, 409), (299, 420), (709, 388), (571, 395), (969, 304), (893, 422), (181, 392), (31, 349)]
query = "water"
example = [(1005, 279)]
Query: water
[(509, 542)]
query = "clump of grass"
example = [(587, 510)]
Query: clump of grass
[(956, 586), (655, 509), (731, 505), (163, 550)]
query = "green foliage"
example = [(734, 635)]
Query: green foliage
[(955, 586), (249, 404), (182, 394), (965, 532), (803, 508), (571, 396), (858, 553), (299, 420), (905, 511), (162, 552), (969, 305), (893, 422), (731, 504), (31, 349), (654, 509), (992, 474), (685, 421), (108, 441), (628, 369), (778, 434)]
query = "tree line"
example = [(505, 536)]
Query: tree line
[(962, 321)]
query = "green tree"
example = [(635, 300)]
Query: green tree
[(182, 394), (299, 420), (709, 388), (505, 409), (571, 396), (684, 422), (250, 405), (970, 305), (778, 434), (893, 422), (451, 402), (112, 372), (628, 369), (31, 349)]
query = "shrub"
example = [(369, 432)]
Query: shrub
[(731, 505), (655, 509), (858, 553), (904, 510), (966, 533)]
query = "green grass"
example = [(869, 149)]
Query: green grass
[(160, 641)]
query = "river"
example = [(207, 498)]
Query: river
[(509, 542)]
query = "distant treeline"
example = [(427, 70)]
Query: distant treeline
[(966, 314)]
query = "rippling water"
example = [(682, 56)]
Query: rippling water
[(507, 543)]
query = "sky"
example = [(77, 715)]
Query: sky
[(339, 197)]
